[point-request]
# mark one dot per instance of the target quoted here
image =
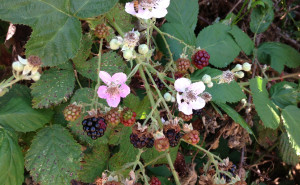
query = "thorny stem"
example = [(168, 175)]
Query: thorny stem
[(175, 174), (274, 78), (152, 111), (76, 76), (98, 79)]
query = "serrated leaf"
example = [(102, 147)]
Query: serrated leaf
[(19, 115), (242, 39), (127, 152), (222, 93), (140, 107), (111, 62), (266, 136), (56, 29), (58, 117), (77, 131), (184, 12), (11, 158), (265, 108), (85, 95), (287, 152), (284, 94), (262, 17), (53, 157), (152, 153), (94, 164), (121, 18), (177, 30), (290, 117), (235, 116), (221, 47), (17, 90), (54, 87), (278, 55)]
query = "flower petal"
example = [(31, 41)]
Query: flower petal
[(159, 12), (185, 108), (124, 90), (197, 87), (144, 14), (34, 70), (119, 78), (105, 77), (113, 101), (129, 8), (163, 4), (179, 98), (22, 60), (27, 69), (102, 92), (198, 104), (181, 84)]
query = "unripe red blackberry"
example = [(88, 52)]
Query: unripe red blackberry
[(72, 112), (102, 31), (183, 64), (94, 126), (185, 117), (154, 181), (128, 117), (161, 144), (113, 117), (201, 59), (192, 137)]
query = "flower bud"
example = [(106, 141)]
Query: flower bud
[(143, 49), (210, 85), (173, 99), (36, 76), (244, 101), (128, 54), (206, 79), (114, 44), (238, 67), (239, 74), (17, 66), (168, 96), (246, 66)]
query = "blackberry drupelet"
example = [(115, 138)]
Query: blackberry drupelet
[(94, 127)]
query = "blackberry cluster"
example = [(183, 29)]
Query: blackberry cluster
[(101, 31), (94, 127), (201, 59), (173, 137), (140, 142), (128, 117), (154, 181), (72, 112), (183, 65), (232, 170)]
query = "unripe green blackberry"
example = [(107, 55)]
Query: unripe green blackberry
[(102, 31), (183, 65), (72, 112), (113, 117)]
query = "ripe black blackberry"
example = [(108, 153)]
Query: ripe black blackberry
[(201, 59), (197, 112), (159, 83), (173, 137), (141, 139), (94, 127)]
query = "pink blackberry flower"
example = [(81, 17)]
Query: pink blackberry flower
[(114, 89)]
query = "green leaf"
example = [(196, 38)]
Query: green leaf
[(127, 152), (265, 108), (290, 117), (58, 117), (262, 17), (184, 12), (177, 30), (278, 55), (222, 93), (19, 115), (242, 40), (54, 87), (287, 152), (111, 62), (17, 90), (266, 136), (53, 157), (94, 164), (85, 95), (284, 94), (221, 47), (151, 154), (56, 29), (235, 116), (11, 158), (121, 18), (139, 107)]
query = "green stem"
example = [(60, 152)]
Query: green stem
[(275, 78), (138, 156), (236, 20), (149, 94), (143, 172), (175, 174), (76, 76), (152, 111), (95, 102), (114, 24)]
